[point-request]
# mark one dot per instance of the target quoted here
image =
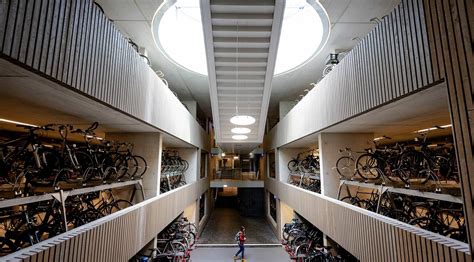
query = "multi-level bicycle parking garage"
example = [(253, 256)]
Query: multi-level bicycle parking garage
[(154, 130)]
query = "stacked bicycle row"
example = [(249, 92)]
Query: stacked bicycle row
[(173, 169), (437, 216), (304, 171), (401, 163), (174, 243), (304, 243), (305, 181), (306, 162), (30, 160), (26, 225)]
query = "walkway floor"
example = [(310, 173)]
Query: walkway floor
[(252, 254), (224, 223)]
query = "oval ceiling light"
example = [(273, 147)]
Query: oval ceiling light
[(242, 120), (239, 137), (240, 130)]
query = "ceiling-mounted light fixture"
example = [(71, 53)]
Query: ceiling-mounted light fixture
[(236, 157), (16, 122), (242, 120), (239, 137), (223, 154), (240, 130)]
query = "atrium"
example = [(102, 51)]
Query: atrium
[(236, 130)]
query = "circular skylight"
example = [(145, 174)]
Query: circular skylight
[(301, 36), (178, 32)]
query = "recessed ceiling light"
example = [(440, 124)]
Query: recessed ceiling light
[(239, 137), (242, 120), (240, 130)]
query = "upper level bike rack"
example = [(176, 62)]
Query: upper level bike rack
[(62, 195), (34, 199), (404, 191)]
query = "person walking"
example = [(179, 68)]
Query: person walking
[(240, 239)]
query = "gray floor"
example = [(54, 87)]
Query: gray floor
[(223, 254), (224, 223)]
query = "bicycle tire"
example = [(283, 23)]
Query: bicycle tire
[(7, 246), (293, 165), (345, 167), (366, 166), (141, 166), (414, 165)]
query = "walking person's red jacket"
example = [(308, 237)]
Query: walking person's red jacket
[(242, 237)]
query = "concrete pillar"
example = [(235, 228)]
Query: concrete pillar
[(329, 146), (191, 155), (286, 214), (149, 146)]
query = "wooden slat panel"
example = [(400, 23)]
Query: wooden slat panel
[(366, 235), (119, 236), (450, 34), (388, 63)]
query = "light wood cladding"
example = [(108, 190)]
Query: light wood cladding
[(116, 237), (367, 235), (450, 30)]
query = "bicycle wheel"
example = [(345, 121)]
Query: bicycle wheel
[(345, 167), (86, 167), (141, 167), (414, 166), (132, 167), (179, 251), (293, 165), (305, 165), (367, 167), (7, 246), (301, 252)]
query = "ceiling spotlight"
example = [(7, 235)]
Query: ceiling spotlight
[(313, 84), (301, 95), (306, 90), (242, 120), (240, 130), (239, 137), (236, 157), (223, 154)]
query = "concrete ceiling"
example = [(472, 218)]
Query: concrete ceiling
[(39, 101), (398, 120), (350, 19)]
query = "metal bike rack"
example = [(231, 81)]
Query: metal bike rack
[(405, 191), (62, 195)]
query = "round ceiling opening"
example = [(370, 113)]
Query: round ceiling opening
[(178, 32)]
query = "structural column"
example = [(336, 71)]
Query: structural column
[(329, 146), (450, 30), (149, 146)]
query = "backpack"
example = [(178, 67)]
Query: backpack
[(237, 237)]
